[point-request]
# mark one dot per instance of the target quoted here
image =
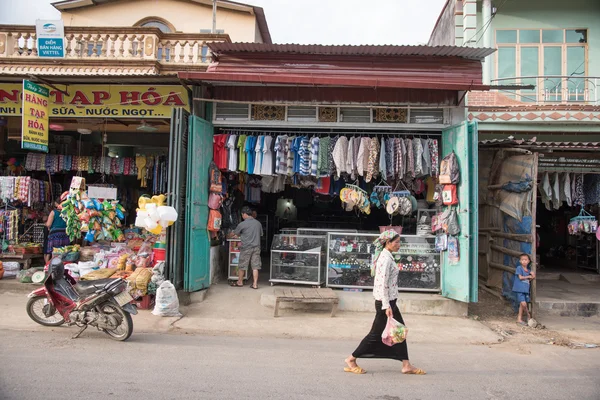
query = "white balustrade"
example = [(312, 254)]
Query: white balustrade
[(115, 43)]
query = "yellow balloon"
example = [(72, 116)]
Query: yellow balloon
[(142, 202), (171, 223), (157, 230)]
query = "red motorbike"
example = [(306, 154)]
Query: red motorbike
[(104, 304)]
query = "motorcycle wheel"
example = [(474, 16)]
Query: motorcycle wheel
[(125, 329), (36, 309)]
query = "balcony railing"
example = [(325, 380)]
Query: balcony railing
[(114, 43), (554, 89)]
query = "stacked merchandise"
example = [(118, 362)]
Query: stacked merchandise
[(11, 269), (25, 189)]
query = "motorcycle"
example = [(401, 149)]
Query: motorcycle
[(104, 303)]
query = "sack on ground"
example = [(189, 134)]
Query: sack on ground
[(167, 303), (394, 332)]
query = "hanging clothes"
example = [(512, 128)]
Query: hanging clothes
[(556, 191), (241, 147), (578, 195), (418, 156), (591, 188), (314, 156), (382, 159), (390, 158), (267, 156), (411, 158), (279, 154), (351, 158), (232, 163), (426, 158), (250, 154), (305, 156), (322, 163), (340, 155), (565, 189), (362, 160), (330, 164), (435, 158), (399, 158), (546, 190), (373, 160)]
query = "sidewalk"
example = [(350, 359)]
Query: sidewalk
[(223, 313)]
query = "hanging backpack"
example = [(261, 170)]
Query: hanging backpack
[(449, 195), (216, 180), (214, 221), (215, 200), (449, 171)]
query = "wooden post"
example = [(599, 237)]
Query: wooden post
[(534, 234)]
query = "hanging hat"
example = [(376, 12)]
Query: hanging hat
[(405, 206), (392, 206), (414, 203)]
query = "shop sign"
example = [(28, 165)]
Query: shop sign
[(50, 38), (34, 134), (97, 101)]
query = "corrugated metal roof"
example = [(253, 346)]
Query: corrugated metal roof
[(473, 53), (532, 143)]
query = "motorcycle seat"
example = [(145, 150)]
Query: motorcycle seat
[(89, 287)]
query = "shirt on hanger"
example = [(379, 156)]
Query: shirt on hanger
[(350, 158), (267, 156), (383, 158), (280, 161), (330, 164), (410, 171), (258, 154), (296, 149), (323, 185), (373, 160), (362, 161), (322, 163), (435, 157), (232, 163), (418, 156), (305, 156), (426, 158), (340, 153), (241, 145), (251, 154), (219, 151), (314, 156), (290, 156)]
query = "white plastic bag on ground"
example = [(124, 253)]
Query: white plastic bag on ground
[(167, 303)]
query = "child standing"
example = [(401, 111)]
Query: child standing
[(521, 286)]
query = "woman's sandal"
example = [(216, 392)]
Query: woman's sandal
[(416, 371), (356, 370)]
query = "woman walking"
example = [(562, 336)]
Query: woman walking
[(386, 295), (57, 228)]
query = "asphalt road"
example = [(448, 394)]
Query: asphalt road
[(49, 365)]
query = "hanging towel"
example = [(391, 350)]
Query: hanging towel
[(350, 158), (556, 191), (565, 189), (546, 190)]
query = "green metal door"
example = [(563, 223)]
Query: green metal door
[(197, 244), (177, 179), (459, 282)]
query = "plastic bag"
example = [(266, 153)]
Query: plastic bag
[(167, 303), (394, 332)]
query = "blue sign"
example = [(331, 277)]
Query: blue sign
[(51, 47)]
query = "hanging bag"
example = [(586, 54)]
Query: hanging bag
[(214, 221), (215, 201), (216, 180), (449, 195), (449, 171)]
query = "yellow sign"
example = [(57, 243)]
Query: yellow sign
[(109, 101), (34, 134)]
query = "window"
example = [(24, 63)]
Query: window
[(156, 22), (554, 60)]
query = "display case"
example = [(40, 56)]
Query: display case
[(233, 259), (349, 258), (298, 259), (323, 231)]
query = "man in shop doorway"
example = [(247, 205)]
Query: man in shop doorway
[(249, 231)]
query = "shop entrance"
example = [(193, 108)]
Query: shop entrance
[(553, 218), (323, 217)]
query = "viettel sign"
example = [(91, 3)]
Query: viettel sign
[(116, 101)]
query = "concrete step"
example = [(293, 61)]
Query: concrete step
[(569, 308), (409, 303)]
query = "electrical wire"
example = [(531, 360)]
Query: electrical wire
[(486, 25)]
